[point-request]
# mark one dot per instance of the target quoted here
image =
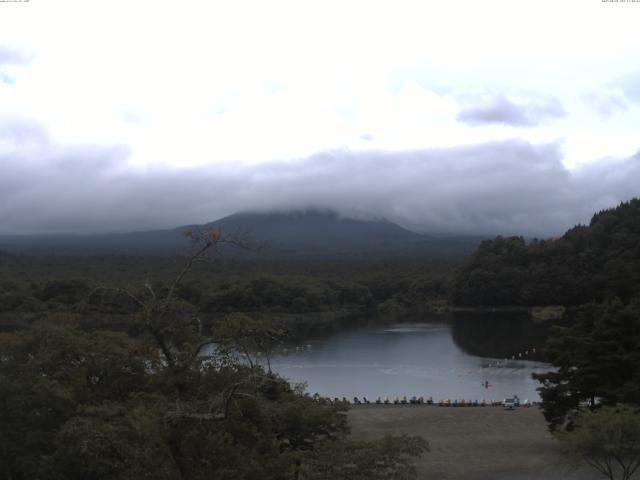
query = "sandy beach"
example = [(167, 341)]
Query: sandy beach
[(477, 443)]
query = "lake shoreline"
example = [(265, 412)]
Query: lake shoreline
[(420, 359)]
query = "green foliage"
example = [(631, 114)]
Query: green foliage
[(285, 294), (586, 264), (78, 404), (249, 336), (111, 440), (47, 372), (66, 292), (311, 298), (607, 439), (101, 405), (596, 359)]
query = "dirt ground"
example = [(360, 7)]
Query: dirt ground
[(476, 443)]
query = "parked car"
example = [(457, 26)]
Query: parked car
[(510, 403)]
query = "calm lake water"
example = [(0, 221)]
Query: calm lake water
[(426, 358)]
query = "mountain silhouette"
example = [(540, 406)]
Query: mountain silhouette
[(287, 233)]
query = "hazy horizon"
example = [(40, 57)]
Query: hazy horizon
[(473, 118)]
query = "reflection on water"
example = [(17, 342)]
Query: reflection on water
[(407, 359), (497, 334)]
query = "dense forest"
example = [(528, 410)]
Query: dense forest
[(175, 400), (594, 271), (597, 360), (587, 264), (102, 372), (308, 296)]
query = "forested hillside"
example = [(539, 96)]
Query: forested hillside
[(308, 296), (588, 263), (176, 401)]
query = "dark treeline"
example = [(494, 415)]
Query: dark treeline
[(175, 401), (309, 296), (595, 271), (597, 360), (587, 264)]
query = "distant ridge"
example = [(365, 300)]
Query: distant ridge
[(287, 233), (316, 229), (589, 263)]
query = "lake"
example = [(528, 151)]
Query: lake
[(448, 358)]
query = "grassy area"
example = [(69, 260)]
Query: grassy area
[(472, 443)]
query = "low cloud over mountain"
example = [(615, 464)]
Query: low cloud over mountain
[(499, 187)]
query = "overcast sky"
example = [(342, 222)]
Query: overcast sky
[(492, 117)]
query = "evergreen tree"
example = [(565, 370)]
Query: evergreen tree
[(597, 361)]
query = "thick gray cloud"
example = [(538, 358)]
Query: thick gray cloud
[(507, 187), (517, 113)]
